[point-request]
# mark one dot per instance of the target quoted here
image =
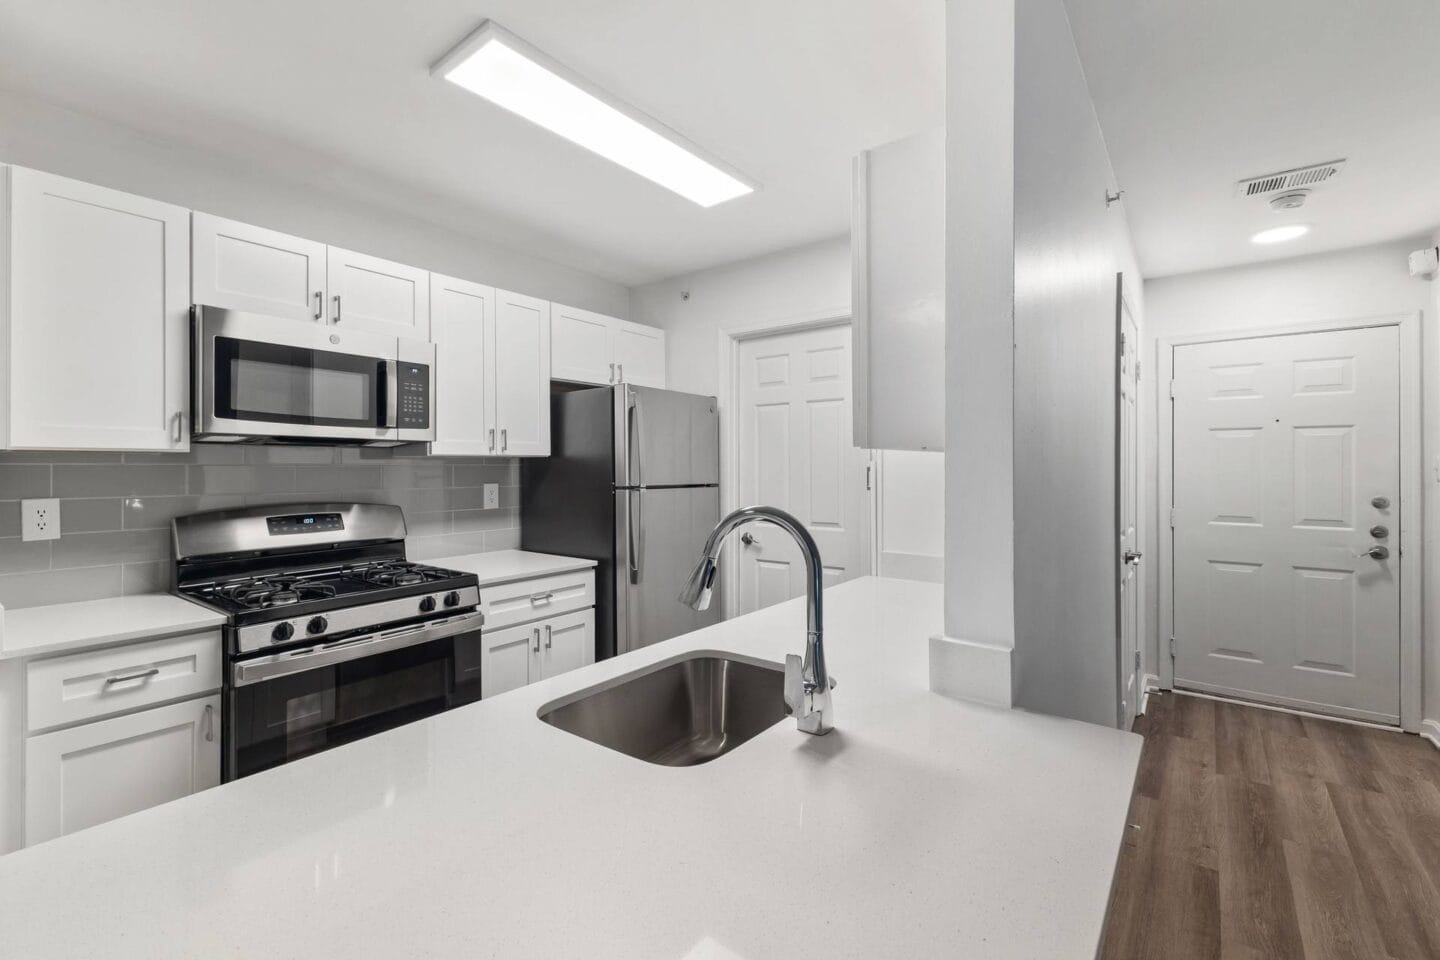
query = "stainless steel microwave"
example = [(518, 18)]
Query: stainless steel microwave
[(259, 378)]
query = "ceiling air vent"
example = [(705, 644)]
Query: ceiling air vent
[(1288, 180)]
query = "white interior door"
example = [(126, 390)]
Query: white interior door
[(1128, 612), (1287, 468), (793, 411)]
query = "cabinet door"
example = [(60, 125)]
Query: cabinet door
[(567, 642), (509, 658), (99, 291), (461, 314), (247, 268), (381, 296), (521, 364), (581, 345), (639, 354), (98, 771)]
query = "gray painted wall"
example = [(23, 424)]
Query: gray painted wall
[(1068, 248), (115, 509)]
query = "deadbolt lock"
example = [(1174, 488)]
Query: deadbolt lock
[(1379, 531), (1380, 503)]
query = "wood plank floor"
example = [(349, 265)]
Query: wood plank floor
[(1259, 835)]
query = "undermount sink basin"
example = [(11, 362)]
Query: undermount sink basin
[(678, 714)]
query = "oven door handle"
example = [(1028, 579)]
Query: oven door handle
[(327, 655)]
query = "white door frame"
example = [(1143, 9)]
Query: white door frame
[(1411, 486), (730, 339)]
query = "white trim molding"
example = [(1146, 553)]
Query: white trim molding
[(970, 670), (1412, 477), (1430, 730)]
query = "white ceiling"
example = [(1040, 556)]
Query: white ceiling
[(786, 92), (1195, 95)]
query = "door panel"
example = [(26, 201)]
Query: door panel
[(521, 392), (1280, 445), (580, 345), (793, 411), (639, 354), (379, 296), (255, 270), (1128, 486), (667, 438), (569, 643), (509, 654), (461, 315), (660, 534)]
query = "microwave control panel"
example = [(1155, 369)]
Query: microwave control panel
[(414, 402)]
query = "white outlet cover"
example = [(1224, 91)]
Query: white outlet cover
[(40, 519), (492, 496)]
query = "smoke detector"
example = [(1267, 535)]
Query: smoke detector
[(1288, 182), (1291, 200)]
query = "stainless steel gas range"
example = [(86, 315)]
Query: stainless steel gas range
[(332, 634)]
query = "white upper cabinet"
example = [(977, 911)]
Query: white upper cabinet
[(462, 317), (96, 318), (520, 385), (588, 347), (580, 345), (380, 296), (639, 354), (240, 267), (898, 243)]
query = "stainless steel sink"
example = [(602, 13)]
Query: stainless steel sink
[(680, 713)]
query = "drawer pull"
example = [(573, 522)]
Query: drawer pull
[(142, 675), (540, 598)]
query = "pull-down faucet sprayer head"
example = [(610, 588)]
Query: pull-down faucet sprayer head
[(700, 586)]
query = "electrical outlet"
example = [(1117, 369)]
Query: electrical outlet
[(39, 519), (492, 496)]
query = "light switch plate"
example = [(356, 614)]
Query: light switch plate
[(40, 519), (492, 496)]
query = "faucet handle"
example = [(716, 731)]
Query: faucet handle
[(794, 684)]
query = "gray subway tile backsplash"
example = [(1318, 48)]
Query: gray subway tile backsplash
[(115, 510)]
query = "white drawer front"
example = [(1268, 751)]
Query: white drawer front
[(97, 683), (507, 604)]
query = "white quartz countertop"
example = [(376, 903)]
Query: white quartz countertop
[(507, 566), (921, 827), (92, 623)]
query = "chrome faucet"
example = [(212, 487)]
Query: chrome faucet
[(807, 684)]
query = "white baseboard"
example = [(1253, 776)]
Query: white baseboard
[(1152, 683), (967, 670), (1430, 730)]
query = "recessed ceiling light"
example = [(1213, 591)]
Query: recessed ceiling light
[(507, 71), (1281, 234)]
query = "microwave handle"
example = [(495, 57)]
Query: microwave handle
[(392, 393)]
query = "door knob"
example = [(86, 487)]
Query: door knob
[(1376, 552), (1132, 556), (748, 539)]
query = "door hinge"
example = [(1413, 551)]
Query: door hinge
[(1137, 660), (867, 478), (1137, 370), (1172, 518), (1172, 652), (1172, 389)]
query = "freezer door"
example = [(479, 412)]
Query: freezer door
[(659, 535), (664, 438)]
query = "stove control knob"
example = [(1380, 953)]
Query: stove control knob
[(427, 604), (316, 625), (452, 599), (282, 632)]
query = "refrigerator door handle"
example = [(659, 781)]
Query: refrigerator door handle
[(639, 448), (630, 524)]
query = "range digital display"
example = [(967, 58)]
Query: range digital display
[(305, 523)]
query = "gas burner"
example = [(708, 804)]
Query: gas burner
[(273, 591), (396, 573)]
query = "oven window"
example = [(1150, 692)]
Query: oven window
[(284, 384)]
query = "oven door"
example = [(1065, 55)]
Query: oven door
[(281, 707), (262, 377)]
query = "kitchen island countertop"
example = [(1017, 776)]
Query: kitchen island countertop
[(921, 827)]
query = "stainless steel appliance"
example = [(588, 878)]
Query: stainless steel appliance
[(331, 634), (259, 378), (633, 483)]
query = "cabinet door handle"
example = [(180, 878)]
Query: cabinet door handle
[(492, 439), (178, 425), (620, 372), (209, 722), (142, 675), (547, 636), (336, 298), (612, 373), (319, 305), (504, 439), (537, 639)]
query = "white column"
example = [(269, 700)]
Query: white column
[(973, 659)]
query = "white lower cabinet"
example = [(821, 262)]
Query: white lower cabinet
[(98, 771), (557, 633)]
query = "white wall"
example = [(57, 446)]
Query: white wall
[(812, 281), (1363, 282), (303, 195)]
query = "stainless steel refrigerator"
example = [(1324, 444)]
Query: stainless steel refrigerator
[(633, 483)]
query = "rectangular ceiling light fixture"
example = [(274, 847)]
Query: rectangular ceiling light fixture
[(507, 71)]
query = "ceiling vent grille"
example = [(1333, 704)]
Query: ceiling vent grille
[(1271, 183)]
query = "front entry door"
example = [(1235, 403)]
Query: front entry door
[(794, 452), (1286, 495)]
